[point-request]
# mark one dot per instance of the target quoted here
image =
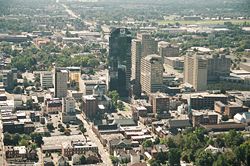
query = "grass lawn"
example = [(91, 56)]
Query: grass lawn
[(202, 22)]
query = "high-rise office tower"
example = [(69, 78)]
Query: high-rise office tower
[(60, 82), (68, 105), (142, 46), (46, 79), (168, 50), (160, 103), (151, 73), (8, 78), (68, 113), (148, 44), (195, 71), (218, 65), (120, 61), (90, 105)]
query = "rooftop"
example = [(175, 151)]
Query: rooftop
[(89, 97)]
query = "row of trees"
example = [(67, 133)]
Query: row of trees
[(33, 140), (116, 104), (190, 148), (34, 59), (234, 38)]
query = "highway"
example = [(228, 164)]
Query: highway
[(70, 12)]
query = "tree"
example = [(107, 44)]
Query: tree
[(114, 160), (37, 138), (157, 141), (174, 156), (16, 138), (147, 143), (37, 85), (33, 146), (224, 118), (67, 132), (226, 159), (29, 103), (170, 143), (24, 142), (83, 160), (93, 62), (7, 139), (233, 138), (188, 155), (62, 129), (162, 157), (17, 90), (25, 82), (243, 153), (219, 142), (114, 97), (154, 162), (50, 126), (120, 106), (82, 128), (59, 125), (37, 79), (205, 158)]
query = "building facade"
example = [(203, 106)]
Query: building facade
[(168, 50), (142, 46), (152, 73), (60, 83), (160, 103), (90, 105), (218, 65), (46, 79), (195, 72), (120, 61)]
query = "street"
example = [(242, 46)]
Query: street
[(104, 154), (2, 153)]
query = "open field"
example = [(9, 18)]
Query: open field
[(203, 22)]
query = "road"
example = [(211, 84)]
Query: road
[(92, 136), (2, 152), (170, 70), (70, 12)]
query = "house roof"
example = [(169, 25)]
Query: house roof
[(247, 115), (119, 141), (179, 123), (160, 148), (125, 122)]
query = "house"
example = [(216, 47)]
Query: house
[(123, 155), (76, 159), (204, 117), (78, 147), (138, 164), (178, 123), (214, 150), (125, 122), (20, 153), (48, 162), (15, 152), (159, 148), (115, 144), (239, 118), (246, 116), (61, 161), (92, 157)]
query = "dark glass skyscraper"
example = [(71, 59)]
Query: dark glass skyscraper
[(120, 61)]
